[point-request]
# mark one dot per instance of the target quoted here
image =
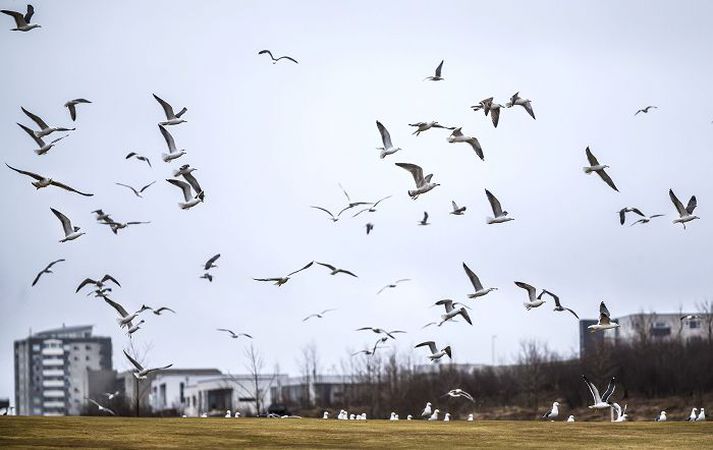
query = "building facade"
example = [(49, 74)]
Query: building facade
[(51, 370), (168, 388), (215, 395)]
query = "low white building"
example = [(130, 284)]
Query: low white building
[(215, 395), (167, 392)]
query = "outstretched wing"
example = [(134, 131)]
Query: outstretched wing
[(134, 362), (609, 391), (66, 224), (185, 187), (592, 390), (37, 140), (475, 281), (40, 123), (439, 68), (607, 179), (24, 172), (531, 292), (288, 58), (430, 344), (167, 109), (323, 209), (416, 172), (262, 52), (692, 203), (385, 136), (677, 203), (307, 266), (19, 18), (211, 261), (168, 138), (494, 204), (591, 158), (120, 309)]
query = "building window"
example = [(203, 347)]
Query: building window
[(87, 357), (76, 348), (692, 324), (181, 388), (87, 347), (36, 348)]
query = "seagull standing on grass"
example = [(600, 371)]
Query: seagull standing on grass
[(436, 76), (141, 373), (605, 322), (600, 402), (44, 128), (458, 136), (388, 148), (171, 118), (43, 182), (499, 216), (22, 22), (423, 184), (477, 285), (570, 418), (70, 232), (685, 214), (447, 418), (661, 417), (534, 300), (102, 408), (692, 417), (44, 147), (525, 103), (553, 413), (426, 411), (274, 60), (72, 107), (279, 281), (434, 416), (47, 269), (595, 166), (701, 415)]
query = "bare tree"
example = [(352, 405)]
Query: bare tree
[(705, 308), (309, 366), (140, 355)]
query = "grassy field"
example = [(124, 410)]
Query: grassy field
[(247, 433)]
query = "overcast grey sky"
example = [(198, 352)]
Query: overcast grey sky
[(270, 140)]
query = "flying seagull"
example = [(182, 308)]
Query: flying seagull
[(211, 262), (423, 184), (644, 217), (72, 107), (207, 276), (233, 334), (373, 206), (101, 216), (600, 402), (111, 395), (70, 233), (621, 415), (457, 210), (553, 412), (646, 109), (499, 216), (171, 118), (435, 353), (98, 283), (424, 221), (594, 166), (437, 76), (47, 269), (558, 305), (134, 190), (186, 172), (22, 22), (392, 285), (160, 310), (533, 300), (139, 157), (685, 214), (456, 393), (525, 103), (489, 107), (388, 334), (140, 373), (279, 281), (350, 203), (452, 312), (388, 148), (477, 285), (102, 408), (43, 182), (458, 136), (125, 318), (334, 270), (44, 128), (333, 218), (274, 60), (369, 227), (605, 322), (44, 146), (318, 315), (423, 126), (173, 152), (116, 226), (190, 199)]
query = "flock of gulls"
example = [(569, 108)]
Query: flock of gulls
[(192, 195)]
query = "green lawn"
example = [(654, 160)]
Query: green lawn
[(246, 433)]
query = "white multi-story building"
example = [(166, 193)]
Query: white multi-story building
[(51, 370)]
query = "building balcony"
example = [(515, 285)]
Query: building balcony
[(50, 351), (53, 373), (54, 393), (53, 362), (53, 383), (53, 405)]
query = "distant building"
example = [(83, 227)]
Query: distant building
[(167, 388), (323, 390), (215, 395), (51, 370), (649, 326)]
